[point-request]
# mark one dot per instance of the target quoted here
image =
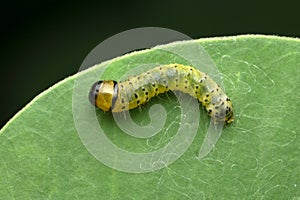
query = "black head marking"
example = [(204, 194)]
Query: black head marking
[(93, 94)]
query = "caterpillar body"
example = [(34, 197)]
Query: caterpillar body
[(120, 96)]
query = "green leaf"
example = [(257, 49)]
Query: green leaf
[(42, 155)]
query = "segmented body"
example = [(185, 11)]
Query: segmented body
[(140, 89)]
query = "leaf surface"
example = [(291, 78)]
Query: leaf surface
[(42, 155)]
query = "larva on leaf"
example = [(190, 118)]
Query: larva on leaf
[(110, 95)]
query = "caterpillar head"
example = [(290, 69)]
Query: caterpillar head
[(102, 94)]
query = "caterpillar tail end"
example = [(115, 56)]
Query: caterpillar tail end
[(230, 120)]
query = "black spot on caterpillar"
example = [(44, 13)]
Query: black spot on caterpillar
[(120, 96)]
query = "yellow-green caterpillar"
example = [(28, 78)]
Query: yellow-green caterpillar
[(120, 96)]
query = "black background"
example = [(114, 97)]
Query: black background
[(44, 42)]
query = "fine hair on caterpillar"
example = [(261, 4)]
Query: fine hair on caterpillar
[(110, 95)]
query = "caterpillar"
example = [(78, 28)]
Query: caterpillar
[(110, 95)]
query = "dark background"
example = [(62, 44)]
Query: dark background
[(44, 42)]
